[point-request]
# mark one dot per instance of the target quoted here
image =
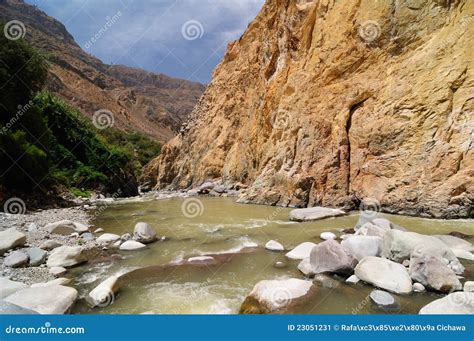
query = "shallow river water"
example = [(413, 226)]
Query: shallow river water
[(237, 234)]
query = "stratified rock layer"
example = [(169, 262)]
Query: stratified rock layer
[(330, 102)]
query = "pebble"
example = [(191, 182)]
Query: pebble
[(382, 298), (418, 287)]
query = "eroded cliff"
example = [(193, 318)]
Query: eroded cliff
[(331, 102)]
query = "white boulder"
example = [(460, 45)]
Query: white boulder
[(330, 256), (66, 227), (433, 274), (455, 303), (104, 294), (144, 233), (327, 236), (302, 251), (362, 246), (10, 239), (273, 245), (65, 256), (314, 213), (107, 238), (131, 245)]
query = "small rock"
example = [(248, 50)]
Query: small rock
[(104, 294), (32, 228), (10, 239), (125, 237), (74, 235), (99, 230), (305, 267), (57, 271), (302, 251), (65, 256), (132, 245), (469, 286), (50, 245), (314, 213), (382, 298), (36, 255), (280, 265), (8, 287), (87, 236), (463, 254), (144, 233), (406, 263), (117, 244), (353, 279), (107, 238), (273, 245), (418, 287), (16, 259), (66, 227), (327, 236), (53, 299)]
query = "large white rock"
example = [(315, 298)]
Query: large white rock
[(131, 245), (433, 273), (463, 254), (399, 245), (65, 256), (275, 295), (273, 245), (144, 233), (104, 294), (362, 246), (455, 242), (107, 238), (330, 256), (66, 227), (314, 213), (8, 287), (302, 251), (36, 255), (455, 303), (10, 239), (53, 299), (385, 274)]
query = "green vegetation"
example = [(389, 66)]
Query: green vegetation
[(46, 144)]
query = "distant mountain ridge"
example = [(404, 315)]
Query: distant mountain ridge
[(153, 104)]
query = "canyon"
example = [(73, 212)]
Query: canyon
[(339, 104)]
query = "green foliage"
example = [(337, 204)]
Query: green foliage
[(80, 193)]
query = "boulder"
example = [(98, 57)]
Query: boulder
[(7, 308), (369, 229), (65, 256), (353, 279), (53, 299), (57, 271), (330, 256), (273, 245), (454, 303), (144, 233), (202, 260), (418, 287), (327, 236), (66, 227), (385, 274), (362, 246), (8, 287), (305, 267), (433, 274), (314, 213), (107, 238), (36, 255), (131, 245), (10, 239), (302, 251), (399, 245), (276, 295), (50, 245), (104, 294), (16, 259), (469, 286), (455, 242), (57, 281), (382, 298)]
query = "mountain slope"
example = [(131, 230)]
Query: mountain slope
[(142, 101), (332, 102)]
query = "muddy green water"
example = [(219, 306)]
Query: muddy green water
[(237, 233)]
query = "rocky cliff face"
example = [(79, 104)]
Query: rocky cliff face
[(153, 104), (331, 103)]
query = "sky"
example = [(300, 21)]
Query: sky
[(181, 38)]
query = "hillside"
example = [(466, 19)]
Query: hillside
[(153, 104), (336, 102)]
